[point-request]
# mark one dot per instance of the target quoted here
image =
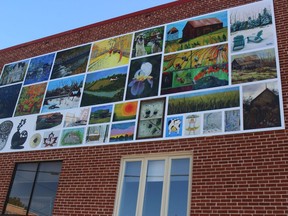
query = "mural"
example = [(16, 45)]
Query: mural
[(200, 31), (104, 87), (100, 114), (14, 72), (190, 78), (148, 42), (110, 53), (30, 100), (252, 27), (254, 66), (63, 94), (8, 98), (196, 69), (39, 69), (71, 62)]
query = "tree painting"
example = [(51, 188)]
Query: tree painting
[(30, 100)]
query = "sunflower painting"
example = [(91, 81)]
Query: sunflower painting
[(125, 111)]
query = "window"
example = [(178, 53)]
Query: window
[(33, 189), (157, 186)]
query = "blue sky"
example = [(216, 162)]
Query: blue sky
[(24, 21)]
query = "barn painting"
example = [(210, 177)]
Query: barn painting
[(261, 108), (254, 66), (201, 31)]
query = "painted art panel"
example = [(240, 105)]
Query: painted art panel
[(63, 94), (50, 120), (195, 69), (125, 111), (77, 117), (144, 78), (212, 123), (14, 73), (148, 42), (151, 119), (193, 124), (39, 69), (30, 100), (254, 66), (122, 132), (232, 120), (50, 139), (113, 52), (5, 131), (202, 101), (174, 126), (104, 86), (97, 134), (196, 32), (71, 62), (8, 98), (100, 114), (71, 137), (261, 105), (252, 27)]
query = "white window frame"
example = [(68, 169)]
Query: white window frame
[(166, 181)]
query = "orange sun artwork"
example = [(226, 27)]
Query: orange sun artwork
[(125, 111)]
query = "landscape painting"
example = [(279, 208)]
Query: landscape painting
[(232, 120), (254, 66), (50, 139), (200, 31), (113, 52), (50, 120), (30, 100), (13, 73), (8, 98), (71, 62), (104, 86), (125, 111), (251, 26), (193, 123), (63, 94), (100, 114), (212, 123), (144, 78), (174, 126), (261, 106), (122, 132), (71, 137), (39, 69), (197, 69), (76, 117), (201, 101), (97, 134), (148, 42)]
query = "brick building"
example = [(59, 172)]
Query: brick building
[(204, 160)]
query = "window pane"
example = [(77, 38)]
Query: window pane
[(178, 193), (153, 188), (45, 189), (21, 189), (130, 189)]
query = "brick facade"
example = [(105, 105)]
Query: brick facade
[(242, 174)]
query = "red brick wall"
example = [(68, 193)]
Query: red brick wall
[(244, 174)]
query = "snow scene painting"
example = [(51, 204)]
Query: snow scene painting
[(251, 26), (63, 94), (97, 134), (232, 120)]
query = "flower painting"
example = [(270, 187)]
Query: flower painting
[(144, 77)]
